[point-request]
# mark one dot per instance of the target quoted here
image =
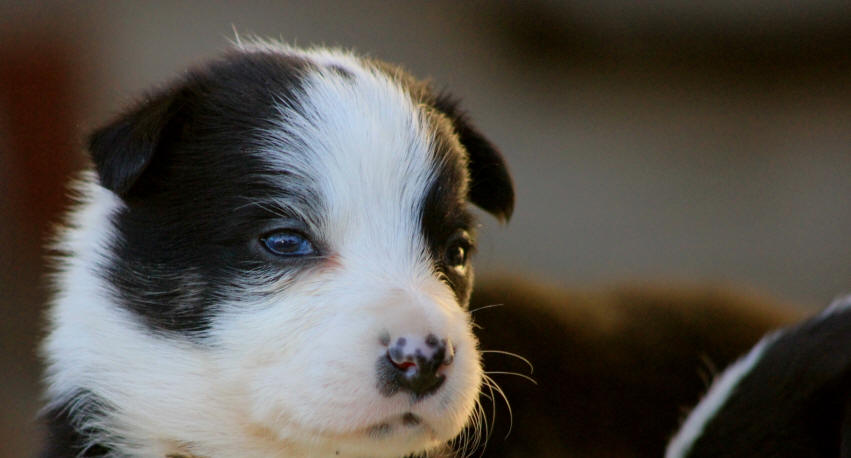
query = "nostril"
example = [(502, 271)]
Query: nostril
[(449, 357), (431, 340)]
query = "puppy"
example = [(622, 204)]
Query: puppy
[(607, 361), (790, 396), (272, 258)]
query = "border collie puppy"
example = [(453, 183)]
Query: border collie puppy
[(789, 397), (271, 258)]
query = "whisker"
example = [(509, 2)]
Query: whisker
[(467, 441), (508, 353), (463, 439), (507, 405), (707, 371), (517, 374), (236, 36), (485, 307), (489, 384), (471, 435), (470, 439), (481, 440)]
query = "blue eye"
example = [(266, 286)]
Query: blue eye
[(287, 243)]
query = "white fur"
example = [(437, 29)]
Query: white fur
[(293, 375), (838, 305), (714, 399)]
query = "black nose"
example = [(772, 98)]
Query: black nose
[(416, 363)]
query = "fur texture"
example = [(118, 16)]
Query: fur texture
[(788, 397), (176, 330)]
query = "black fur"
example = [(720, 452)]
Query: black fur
[(444, 216), (227, 97), (794, 402), (64, 439), (180, 163), (491, 187), (123, 150)]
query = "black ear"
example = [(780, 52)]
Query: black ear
[(124, 149), (491, 187)]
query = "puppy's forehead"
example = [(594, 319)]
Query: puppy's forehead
[(359, 140)]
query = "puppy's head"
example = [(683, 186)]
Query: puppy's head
[(276, 256)]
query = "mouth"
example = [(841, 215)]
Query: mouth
[(407, 423)]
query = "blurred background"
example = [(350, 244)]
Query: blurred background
[(660, 141)]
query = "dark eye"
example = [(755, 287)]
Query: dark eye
[(458, 251), (287, 243)]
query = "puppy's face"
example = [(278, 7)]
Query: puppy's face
[(286, 260)]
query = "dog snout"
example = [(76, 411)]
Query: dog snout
[(417, 362)]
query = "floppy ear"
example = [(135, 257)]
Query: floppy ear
[(123, 149), (490, 183)]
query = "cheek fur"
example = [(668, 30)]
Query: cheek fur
[(333, 345)]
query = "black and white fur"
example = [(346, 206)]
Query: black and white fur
[(175, 331), (789, 397)]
